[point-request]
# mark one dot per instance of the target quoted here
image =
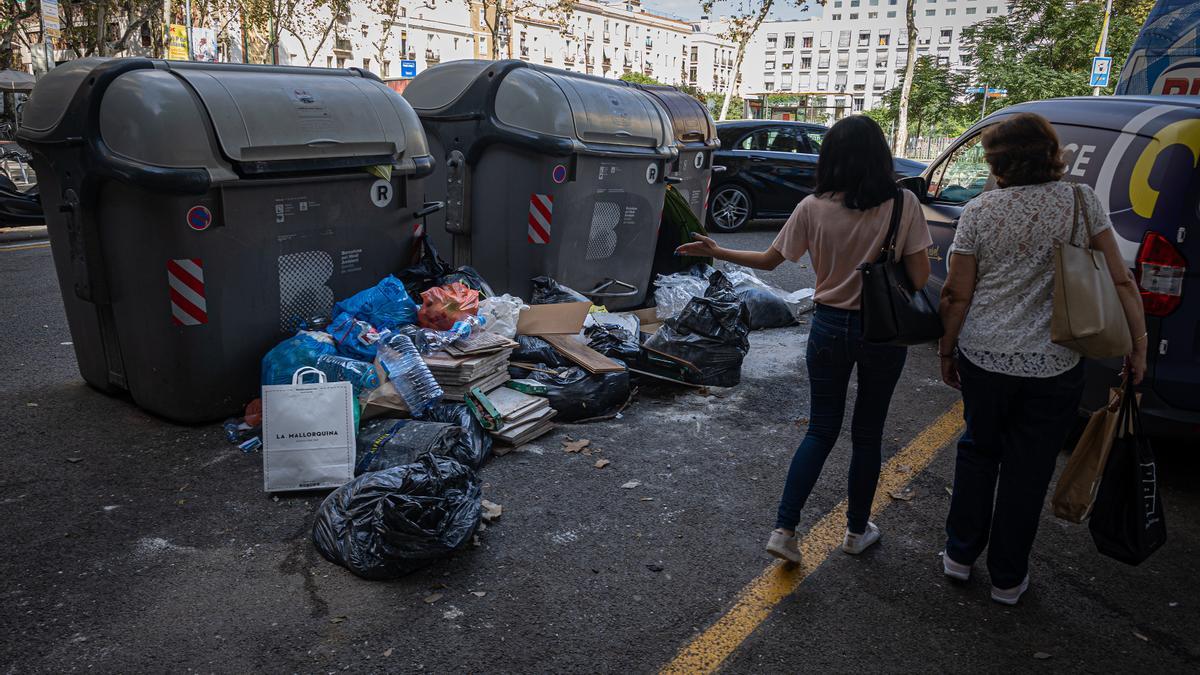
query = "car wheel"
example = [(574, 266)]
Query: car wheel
[(730, 208)]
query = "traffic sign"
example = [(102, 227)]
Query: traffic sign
[(408, 68), (992, 92), (50, 22), (1101, 68)]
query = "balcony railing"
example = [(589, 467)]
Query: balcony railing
[(432, 56)]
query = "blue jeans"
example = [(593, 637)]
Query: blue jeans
[(1016, 427), (835, 346)]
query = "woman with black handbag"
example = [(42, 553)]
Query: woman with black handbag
[(1020, 390), (844, 224)]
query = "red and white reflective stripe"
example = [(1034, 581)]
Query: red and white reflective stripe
[(185, 277), (541, 207), (418, 230)]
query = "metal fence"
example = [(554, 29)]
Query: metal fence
[(925, 149)]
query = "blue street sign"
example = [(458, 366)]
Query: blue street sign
[(408, 68), (991, 91), (1101, 69)]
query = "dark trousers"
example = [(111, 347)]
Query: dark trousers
[(835, 347), (1016, 427)]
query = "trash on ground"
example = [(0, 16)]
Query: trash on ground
[(409, 375), (547, 291), (432, 598), (386, 305), (582, 355), (769, 306), (535, 350), (613, 341), (385, 442), (711, 333), (385, 524), (457, 375), (601, 463), (631, 485), (575, 446), (904, 494), (502, 313), (442, 306), (527, 386), (491, 511), (475, 446), (556, 319), (578, 395), (308, 433)]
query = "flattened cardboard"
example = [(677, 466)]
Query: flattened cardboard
[(556, 319)]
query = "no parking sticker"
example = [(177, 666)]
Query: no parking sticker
[(559, 174), (199, 218)]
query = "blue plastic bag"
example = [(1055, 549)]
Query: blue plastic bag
[(354, 338), (385, 305), (294, 353)]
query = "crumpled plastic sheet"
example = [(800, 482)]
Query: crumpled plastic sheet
[(475, 446), (294, 353), (386, 524), (547, 291), (579, 395), (441, 306), (502, 312), (613, 341), (385, 305), (385, 442), (770, 306)]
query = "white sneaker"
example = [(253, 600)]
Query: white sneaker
[(955, 570), (1010, 596), (783, 546), (857, 543)]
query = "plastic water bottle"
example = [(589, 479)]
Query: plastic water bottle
[(409, 374), (465, 326), (360, 374)]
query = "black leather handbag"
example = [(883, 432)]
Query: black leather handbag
[(893, 312)]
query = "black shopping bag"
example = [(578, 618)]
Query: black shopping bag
[(1127, 519)]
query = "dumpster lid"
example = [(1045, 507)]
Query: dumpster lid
[(548, 101), (689, 117), (259, 116), (50, 98)]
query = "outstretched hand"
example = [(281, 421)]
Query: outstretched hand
[(703, 247)]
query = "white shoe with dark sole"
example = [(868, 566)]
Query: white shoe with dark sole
[(784, 547), (857, 543), (1010, 596), (955, 570)]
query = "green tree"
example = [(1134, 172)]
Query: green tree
[(935, 103), (1044, 48), (742, 23), (638, 78)]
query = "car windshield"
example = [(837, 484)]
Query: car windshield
[(963, 176)]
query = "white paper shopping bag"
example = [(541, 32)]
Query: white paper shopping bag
[(308, 434)]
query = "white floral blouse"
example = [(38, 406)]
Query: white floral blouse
[(1011, 232)]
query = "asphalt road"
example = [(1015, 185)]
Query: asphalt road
[(135, 545)]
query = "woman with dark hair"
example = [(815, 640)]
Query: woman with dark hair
[(1020, 391), (840, 226)]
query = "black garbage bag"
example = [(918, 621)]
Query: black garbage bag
[(614, 341), (426, 273), (386, 442), (579, 395), (547, 291), (767, 310), (469, 277), (385, 524), (475, 446), (711, 333), (532, 349)]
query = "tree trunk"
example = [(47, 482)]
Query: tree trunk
[(906, 87), (737, 67), (102, 28), (743, 38)]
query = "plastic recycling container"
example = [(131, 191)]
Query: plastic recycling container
[(199, 213), (545, 172), (695, 138)]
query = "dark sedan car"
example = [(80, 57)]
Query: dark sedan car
[(770, 166)]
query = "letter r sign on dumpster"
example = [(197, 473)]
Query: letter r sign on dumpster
[(381, 193)]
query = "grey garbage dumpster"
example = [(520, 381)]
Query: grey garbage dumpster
[(198, 213), (695, 138), (545, 172)]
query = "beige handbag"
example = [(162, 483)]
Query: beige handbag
[(1088, 317)]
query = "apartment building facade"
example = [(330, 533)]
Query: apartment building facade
[(857, 50), (710, 57)]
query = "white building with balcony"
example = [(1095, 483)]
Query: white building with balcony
[(856, 51)]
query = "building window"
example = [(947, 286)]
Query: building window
[(806, 42), (862, 60), (823, 61), (924, 36), (772, 40), (891, 14), (993, 10), (769, 86), (880, 81), (946, 37), (971, 10), (853, 16), (881, 60), (789, 41), (805, 62), (341, 62), (836, 17), (804, 81), (843, 59), (872, 15), (864, 38), (930, 12), (826, 38), (823, 82), (844, 38), (385, 69), (860, 80), (786, 83), (858, 104), (328, 61), (885, 38), (837, 4), (950, 11), (839, 81), (770, 65), (787, 64), (855, 3)]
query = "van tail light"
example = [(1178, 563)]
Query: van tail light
[(1160, 271)]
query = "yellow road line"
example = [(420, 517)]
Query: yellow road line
[(755, 602), (24, 247)]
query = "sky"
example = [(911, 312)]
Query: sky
[(690, 9)]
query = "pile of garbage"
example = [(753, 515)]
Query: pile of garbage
[(406, 390)]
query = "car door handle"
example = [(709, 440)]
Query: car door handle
[(756, 158), (718, 168)]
